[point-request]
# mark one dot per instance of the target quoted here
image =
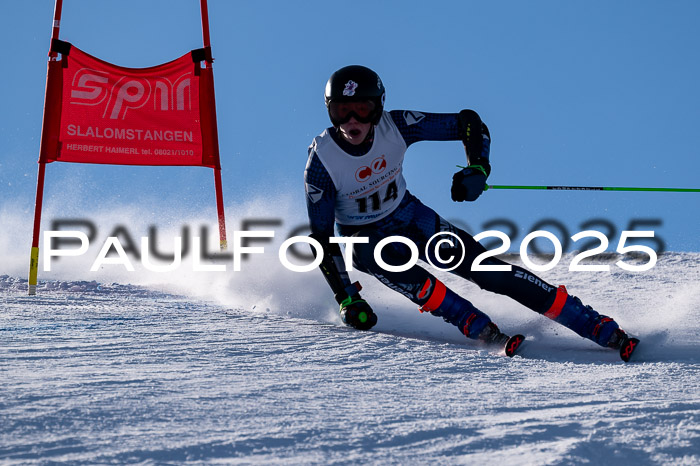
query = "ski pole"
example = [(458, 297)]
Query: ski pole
[(593, 188)]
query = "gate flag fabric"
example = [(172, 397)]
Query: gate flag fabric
[(96, 112), (107, 114)]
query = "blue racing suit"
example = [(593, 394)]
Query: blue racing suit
[(409, 218)]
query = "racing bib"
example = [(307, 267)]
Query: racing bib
[(371, 186)]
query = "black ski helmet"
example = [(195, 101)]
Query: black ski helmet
[(356, 83)]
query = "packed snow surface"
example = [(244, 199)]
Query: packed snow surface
[(111, 373)]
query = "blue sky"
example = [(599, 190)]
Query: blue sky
[(574, 93)]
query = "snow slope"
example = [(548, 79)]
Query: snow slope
[(107, 373)]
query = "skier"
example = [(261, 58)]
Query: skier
[(353, 178)]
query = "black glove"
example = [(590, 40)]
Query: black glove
[(468, 184), (356, 313)]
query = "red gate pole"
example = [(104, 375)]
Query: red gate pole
[(217, 170), (205, 23), (34, 255)]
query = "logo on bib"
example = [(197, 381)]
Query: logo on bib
[(377, 166), (363, 173)]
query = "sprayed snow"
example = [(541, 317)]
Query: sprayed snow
[(93, 372)]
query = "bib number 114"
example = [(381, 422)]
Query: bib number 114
[(375, 200)]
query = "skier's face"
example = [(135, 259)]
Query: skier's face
[(354, 131)]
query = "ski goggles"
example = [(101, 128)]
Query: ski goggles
[(362, 110)]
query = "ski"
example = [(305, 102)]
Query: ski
[(513, 344), (629, 345)]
